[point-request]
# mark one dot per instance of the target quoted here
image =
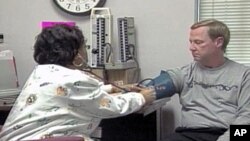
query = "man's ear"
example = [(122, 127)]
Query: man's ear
[(219, 41)]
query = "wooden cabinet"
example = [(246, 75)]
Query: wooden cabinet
[(119, 76)]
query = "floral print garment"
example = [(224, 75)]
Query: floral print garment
[(57, 101)]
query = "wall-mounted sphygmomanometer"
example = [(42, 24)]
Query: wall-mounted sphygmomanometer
[(127, 46), (100, 37), (101, 51)]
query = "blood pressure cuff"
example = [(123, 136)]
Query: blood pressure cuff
[(163, 85)]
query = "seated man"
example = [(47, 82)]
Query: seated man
[(213, 90)]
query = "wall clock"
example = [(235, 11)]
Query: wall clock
[(78, 7)]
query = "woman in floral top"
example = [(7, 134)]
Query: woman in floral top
[(59, 99)]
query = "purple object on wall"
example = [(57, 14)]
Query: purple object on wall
[(45, 24)]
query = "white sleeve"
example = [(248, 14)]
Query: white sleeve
[(89, 96), (107, 88)]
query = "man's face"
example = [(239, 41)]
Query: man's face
[(201, 46)]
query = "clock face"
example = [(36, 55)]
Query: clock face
[(81, 7)]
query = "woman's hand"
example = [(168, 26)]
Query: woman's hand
[(126, 88), (148, 94)]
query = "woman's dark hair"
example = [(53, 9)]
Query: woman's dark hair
[(58, 44)]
